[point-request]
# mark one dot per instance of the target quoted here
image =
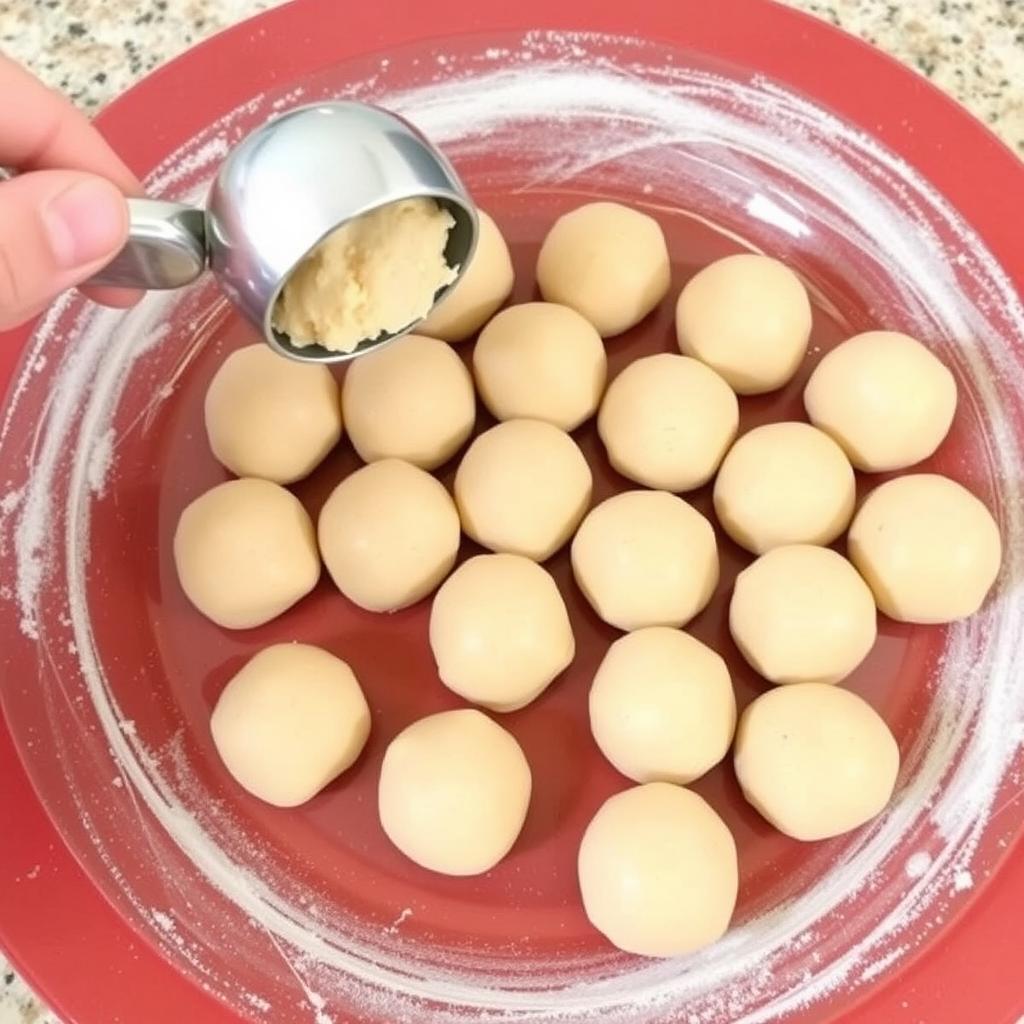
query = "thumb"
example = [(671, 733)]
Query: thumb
[(56, 229)]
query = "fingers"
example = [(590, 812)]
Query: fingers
[(57, 228)]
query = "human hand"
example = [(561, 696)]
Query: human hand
[(64, 216)]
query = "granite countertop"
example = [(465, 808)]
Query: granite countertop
[(90, 49)]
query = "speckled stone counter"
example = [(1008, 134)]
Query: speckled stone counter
[(94, 49)]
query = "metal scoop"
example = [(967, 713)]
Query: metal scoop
[(278, 194)]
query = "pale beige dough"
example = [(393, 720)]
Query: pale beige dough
[(411, 400), (802, 614), (523, 487), (389, 534), (784, 483), (667, 421), (454, 791), (645, 558), (884, 397), (607, 261), (376, 274), (929, 549), (541, 361), (485, 284), (815, 760), (748, 317), (271, 417), (658, 871), (245, 552), (500, 631), (291, 721), (662, 708)]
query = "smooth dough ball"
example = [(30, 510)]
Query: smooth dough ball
[(292, 720), (662, 708), (802, 614), (784, 483), (454, 791), (815, 760), (749, 318), (271, 417), (884, 397), (389, 534), (667, 421), (523, 487), (645, 558), (608, 262), (658, 871), (540, 361), (929, 549), (412, 399), (485, 285), (500, 632), (245, 551)]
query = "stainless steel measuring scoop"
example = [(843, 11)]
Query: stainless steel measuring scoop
[(279, 193)]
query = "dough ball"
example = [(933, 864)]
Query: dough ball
[(412, 399), (606, 261), (245, 552), (454, 791), (540, 361), (884, 397), (474, 298), (784, 483), (666, 422), (271, 417), (929, 549), (645, 558), (523, 487), (749, 318), (500, 632), (389, 534), (662, 707), (658, 871), (376, 274), (802, 614), (292, 720), (815, 760)]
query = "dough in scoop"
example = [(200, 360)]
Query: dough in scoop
[(658, 871), (454, 791), (292, 720)]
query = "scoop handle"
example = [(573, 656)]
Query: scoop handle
[(166, 247)]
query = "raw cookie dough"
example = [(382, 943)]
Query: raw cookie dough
[(245, 551), (667, 421), (376, 274), (271, 417), (500, 632), (608, 262), (292, 720), (540, 361), (802, 614), (884, 397), (389, 534), (784, 483), (658, 871), (929, 549), (815, 760), (454, 791), (523, 487), (748, 317), (411, 400), (662, 708), (645, 558), (485, 284)]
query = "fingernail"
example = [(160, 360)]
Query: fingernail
[(84, 223)]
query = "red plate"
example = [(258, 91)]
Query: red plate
[(153, 889)]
